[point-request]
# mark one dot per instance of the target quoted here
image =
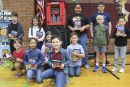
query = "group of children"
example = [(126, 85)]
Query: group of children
[(45, 57), (101, 41)]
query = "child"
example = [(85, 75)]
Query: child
[(120, 29), (58, 60), (36, 31), (33, 59), (18, 55), (15, 30), (46, 47), (121, 47), (100, 42), (77, 53)]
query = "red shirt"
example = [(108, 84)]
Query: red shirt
[(18, 54)]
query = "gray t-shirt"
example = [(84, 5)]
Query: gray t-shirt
[(75, 61)]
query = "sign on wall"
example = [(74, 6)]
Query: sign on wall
[(5, 19)]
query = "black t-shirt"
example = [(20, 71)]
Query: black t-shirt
[(121, 41), (77, 21), (14, 27)]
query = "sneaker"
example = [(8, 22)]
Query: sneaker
[(104, 69), (95, 68), (67, 80), (87, 66), (114, 69), (121, 70)]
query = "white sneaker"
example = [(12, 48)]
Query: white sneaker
[(87, 66), (68, 81), (114, 69), (121, 70)]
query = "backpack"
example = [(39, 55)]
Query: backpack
[(100, 36)]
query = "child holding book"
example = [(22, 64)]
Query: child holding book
[(36, 31), (77, 53), (33, 59), (58, 60), (121, 46), (46, 47), (18, 57)]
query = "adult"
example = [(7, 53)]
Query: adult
[(79, 23)]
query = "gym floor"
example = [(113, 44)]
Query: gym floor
[(87, 78)]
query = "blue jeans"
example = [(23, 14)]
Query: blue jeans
[(120, 52), (74, 71), (83, 40), (38, 74), (59, 76)]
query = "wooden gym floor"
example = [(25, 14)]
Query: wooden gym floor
[(87, 78)]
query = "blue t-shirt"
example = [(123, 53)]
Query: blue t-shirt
[(77, 48), (106, 18)]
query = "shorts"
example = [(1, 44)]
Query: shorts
[(100, 49)]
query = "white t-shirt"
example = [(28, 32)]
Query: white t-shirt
[(33, 30)]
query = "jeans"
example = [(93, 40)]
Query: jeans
[(59, 76), (38, 74), (74, 71), (83, 40), (120, 52)]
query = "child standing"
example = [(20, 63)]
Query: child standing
[(18, 55), (46, 47), (58, 60), (36, 31), (77, 53), (121, 46), (15, 30), (100, 42), (33, 59)]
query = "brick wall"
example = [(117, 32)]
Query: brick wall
[(25, 10)]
